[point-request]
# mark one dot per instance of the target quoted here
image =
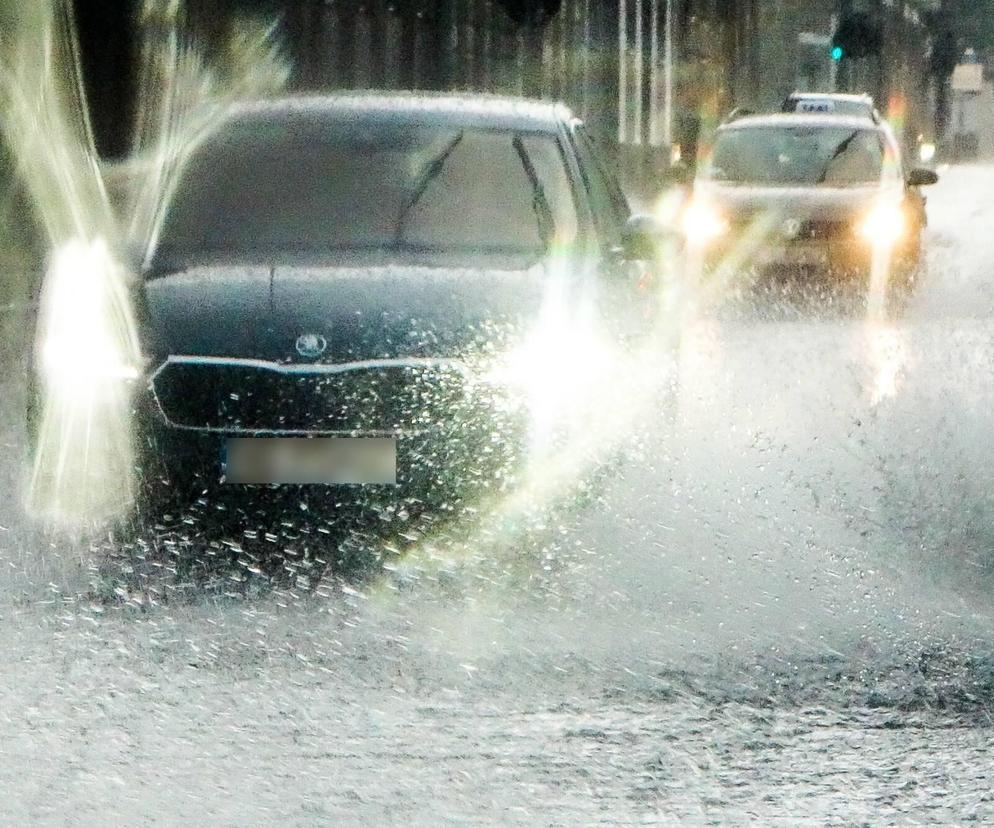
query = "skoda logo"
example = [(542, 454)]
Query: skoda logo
[(311, 345), (791, 228)]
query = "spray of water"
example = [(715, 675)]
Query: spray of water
[(182, 96), (84, 449), (87, 354), (588, 398), (46, 126)]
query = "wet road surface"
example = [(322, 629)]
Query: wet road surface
[(777, 610)]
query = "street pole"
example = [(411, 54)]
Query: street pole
[(668, 76), (884, 55), (639, 71), (844, 74), (622, 71), (587, 45), (654, 75)]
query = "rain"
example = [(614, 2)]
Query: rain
[(722, 556)]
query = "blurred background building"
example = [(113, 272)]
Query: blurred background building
[(648, 75)]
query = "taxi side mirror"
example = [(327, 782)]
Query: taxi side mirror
[(920, 177)]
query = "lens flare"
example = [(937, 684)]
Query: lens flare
[(887, 357), (87, 332), (87, 358), (885, 224), (703, 224), (587, 396)]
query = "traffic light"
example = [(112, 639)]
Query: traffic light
[(531, 13), (858, 36)]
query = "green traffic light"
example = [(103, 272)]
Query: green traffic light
[(837, 53)]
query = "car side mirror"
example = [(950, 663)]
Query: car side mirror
[(920, 177), (641, 238)]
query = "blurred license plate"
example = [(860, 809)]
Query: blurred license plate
[(798, 256), (334, 460)]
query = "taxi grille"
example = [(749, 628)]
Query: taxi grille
[(824, 229), (772, 230)]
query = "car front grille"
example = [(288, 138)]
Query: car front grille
[(245, 396), (824, 229), (769, 229)]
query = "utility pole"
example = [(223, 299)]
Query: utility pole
[(654, 74), (668, 58), (622, 71), (639, 55), (844, 74)]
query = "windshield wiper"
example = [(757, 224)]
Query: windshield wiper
[(841, 148), (430, 172), (540, 203)]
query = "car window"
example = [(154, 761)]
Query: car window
[(311, 184), (609, 203), (525, 176), (830, 156)]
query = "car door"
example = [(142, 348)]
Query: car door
[(608, 203), (632, 285)]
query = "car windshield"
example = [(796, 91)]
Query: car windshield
[(304, 184), (802, 155)]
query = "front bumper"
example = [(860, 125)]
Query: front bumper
[(842, 257), (844, 254), (452, 434)]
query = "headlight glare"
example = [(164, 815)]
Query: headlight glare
[(86, 337), (702, 224), (884, 224)]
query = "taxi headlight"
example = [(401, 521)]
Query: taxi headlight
[(884, 224), (702, 224)]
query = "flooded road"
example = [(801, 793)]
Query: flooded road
[(776, 610)]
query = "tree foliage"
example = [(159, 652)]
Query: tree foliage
[(958, 25)]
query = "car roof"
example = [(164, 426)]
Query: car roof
[(469, 110), (791, 119)]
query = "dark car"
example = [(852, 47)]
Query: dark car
[(330, 275), (795, 191)]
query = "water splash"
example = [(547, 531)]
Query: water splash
[(182, 96), (87, 346), (588, 396)]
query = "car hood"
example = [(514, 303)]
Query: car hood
[(814, 203), (354, 313)]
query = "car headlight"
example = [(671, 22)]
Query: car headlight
[(87, 333), (702, 224), (67, 360), (884, 224)]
